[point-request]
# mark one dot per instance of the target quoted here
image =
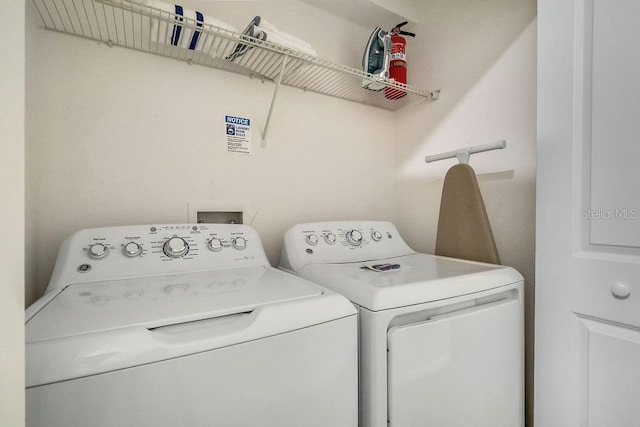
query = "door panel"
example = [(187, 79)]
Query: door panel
[(613, 373), (461, 369), (588, 214), (606, 107), (611, 40)]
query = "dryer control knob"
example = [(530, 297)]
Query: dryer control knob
[(215, 244), (175, 247), (132, 249), (239, 243), (330, 238), (354, 237), (98, 250), (376, 235), (312, 239)]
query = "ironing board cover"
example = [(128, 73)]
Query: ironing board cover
[(463, 226)]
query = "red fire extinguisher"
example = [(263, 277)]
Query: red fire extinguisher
[(397, 61)]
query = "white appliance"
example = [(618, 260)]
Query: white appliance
[(441, 340), (186, 325)]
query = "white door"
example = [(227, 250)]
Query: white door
[(587, 354)]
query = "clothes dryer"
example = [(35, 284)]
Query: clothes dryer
[(441, 339), (186, 325)]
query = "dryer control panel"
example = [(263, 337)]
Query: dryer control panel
[(110, 253), (341, 241)]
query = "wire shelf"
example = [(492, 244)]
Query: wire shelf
[(141, 27)]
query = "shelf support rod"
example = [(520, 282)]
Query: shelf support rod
[(263, 143)]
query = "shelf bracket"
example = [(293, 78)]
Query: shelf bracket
[(263, 142)]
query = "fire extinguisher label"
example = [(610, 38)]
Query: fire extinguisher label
[(399, 55)]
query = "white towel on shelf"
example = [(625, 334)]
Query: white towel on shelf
[(174, 33), (276, 36), (284, 39)]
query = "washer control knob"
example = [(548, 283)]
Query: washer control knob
[(354, 237), (98, 250), (215, 244), (175, 247), (132, 249), (239, 243), (312, 239), (376, 235), (330, 238)]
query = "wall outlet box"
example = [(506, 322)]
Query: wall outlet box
[(218, 217), (217, 212)]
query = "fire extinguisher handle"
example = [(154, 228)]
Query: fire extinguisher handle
[(397, 30)]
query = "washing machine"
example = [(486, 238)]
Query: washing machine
[(441, 339), (186, 325)]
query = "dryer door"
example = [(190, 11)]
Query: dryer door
[(464, 368)]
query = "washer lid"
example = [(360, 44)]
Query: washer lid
[(154, 302), (419, 278)]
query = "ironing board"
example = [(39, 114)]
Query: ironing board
[(463, 226)]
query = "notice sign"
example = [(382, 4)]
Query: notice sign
[(238, 134)]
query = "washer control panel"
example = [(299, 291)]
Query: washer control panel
[(341, 241), (111, 253)]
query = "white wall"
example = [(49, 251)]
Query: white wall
[(483, 56), (12, 224), (119, 137)]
